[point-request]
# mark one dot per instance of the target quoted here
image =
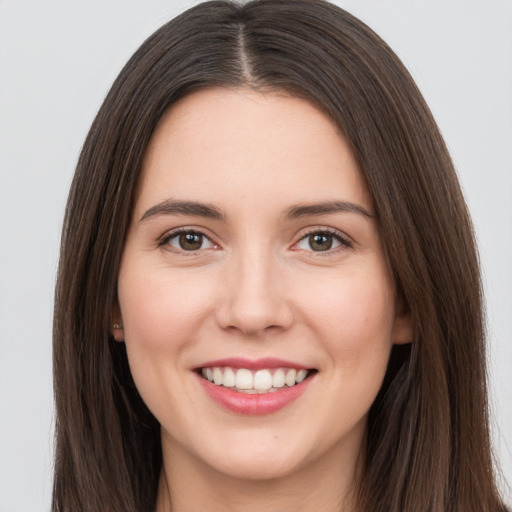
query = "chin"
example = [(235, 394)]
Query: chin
[(265, 455), (258, 467)]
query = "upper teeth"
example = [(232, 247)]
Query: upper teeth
[(254, 381)]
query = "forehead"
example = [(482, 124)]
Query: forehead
[(227, 145)]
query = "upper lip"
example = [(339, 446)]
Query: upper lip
[(252, 364)]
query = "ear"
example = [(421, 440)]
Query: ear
[(403, 329), (116, 323)]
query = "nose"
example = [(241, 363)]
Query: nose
[(254, 300)]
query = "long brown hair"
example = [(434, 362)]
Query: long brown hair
[(427, 444)]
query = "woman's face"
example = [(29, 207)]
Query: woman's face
[(253, 258)]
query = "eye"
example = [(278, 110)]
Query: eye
[(188, 240), (321, 241)]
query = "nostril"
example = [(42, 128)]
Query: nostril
[(253, 309)]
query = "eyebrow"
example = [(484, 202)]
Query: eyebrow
[(326, 207), (196, 209), (175, 207)]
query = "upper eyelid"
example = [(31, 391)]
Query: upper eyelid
[(177, 231), (324, 229), (345, 243)]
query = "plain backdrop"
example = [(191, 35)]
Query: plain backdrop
[(57, 61)]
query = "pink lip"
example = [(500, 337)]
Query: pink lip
[(254, 405), (256, 364)]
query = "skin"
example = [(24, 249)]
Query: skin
[(256, 288)]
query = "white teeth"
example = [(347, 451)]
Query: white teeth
[(290, 377), (301, 375), (247, 381), (229, 378), (262, 380), (278, 379), (244, 379), (217, 376)]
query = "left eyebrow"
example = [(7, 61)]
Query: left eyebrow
[(326, 207)]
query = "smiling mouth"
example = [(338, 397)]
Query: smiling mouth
[(259, 382)]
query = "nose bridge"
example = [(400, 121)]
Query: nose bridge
[(255, 292)]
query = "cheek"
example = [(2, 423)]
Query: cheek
[(355, 327), (354, 318), (160, 310), (161, 316), (162, 313)]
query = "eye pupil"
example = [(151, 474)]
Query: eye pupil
[(320, 242), (190, 241)]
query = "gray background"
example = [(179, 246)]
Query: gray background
[(57, 61)]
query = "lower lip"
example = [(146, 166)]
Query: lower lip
[(254, 405)]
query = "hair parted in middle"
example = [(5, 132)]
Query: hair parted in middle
[(427, 445)]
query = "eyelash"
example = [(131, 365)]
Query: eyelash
[(343, 241), (192, 231)]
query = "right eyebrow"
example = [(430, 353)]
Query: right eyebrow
[(175, 207)]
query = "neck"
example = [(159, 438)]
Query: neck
[(187, 484)]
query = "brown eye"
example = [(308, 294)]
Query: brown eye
[(320, 241), (189, 241)]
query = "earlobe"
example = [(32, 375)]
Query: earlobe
[(117, 331), (116, 325), (403, 329)]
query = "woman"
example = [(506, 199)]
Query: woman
[(268, 295)]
